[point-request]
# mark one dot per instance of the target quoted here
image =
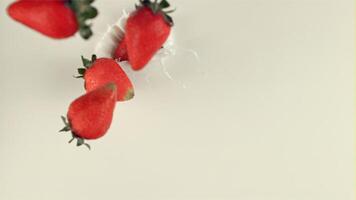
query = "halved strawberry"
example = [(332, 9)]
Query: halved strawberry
[(98, 72), (55, 18), (90, 116)]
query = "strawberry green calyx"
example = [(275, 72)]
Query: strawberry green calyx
[(67, 128), (86, 65), (158, 7), (83, 11)]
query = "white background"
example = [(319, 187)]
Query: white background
[(268, 115)]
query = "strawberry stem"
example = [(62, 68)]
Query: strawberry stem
[(158, 8), (71, 140), (67, 128), (84, 11), (86, 65)]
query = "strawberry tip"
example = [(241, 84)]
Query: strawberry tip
[(129, 94)]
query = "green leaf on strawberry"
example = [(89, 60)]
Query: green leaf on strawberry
[(158, 7), (84, 11), (67, 128)]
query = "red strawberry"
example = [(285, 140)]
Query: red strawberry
[(90, 116), (146, 31), (98, 72), (121, 51), (54, 18)]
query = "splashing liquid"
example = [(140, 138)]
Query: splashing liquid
[(161, 65)]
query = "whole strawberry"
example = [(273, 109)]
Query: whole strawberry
[(146, 31), (98, 72), (57, 19), (90, 116)]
